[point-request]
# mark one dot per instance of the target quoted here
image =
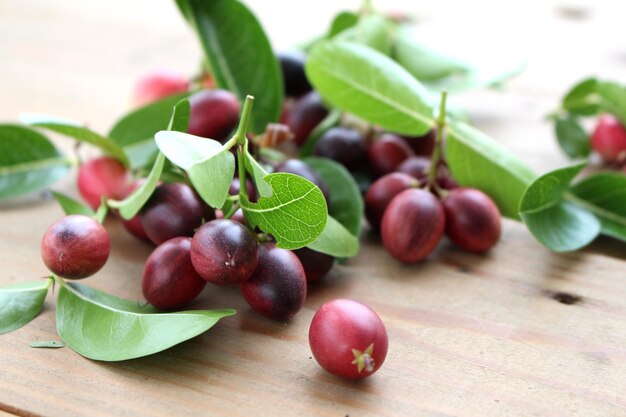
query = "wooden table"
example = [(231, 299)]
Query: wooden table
[(517, 332)]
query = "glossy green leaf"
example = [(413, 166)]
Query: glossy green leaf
[(106, 328), (341, 22), (380, 92), (613, 99), (131, 205), (71, 206), (258, 174), (330, 121), (240, 55), (581, 99), (210, 165), (346, 201), (336, 241), (563, 227), (423, 62), (559, 225), (374, 31), (135, 131), (76, 131), (604, 194), (547, 190), (295, 214), (28, 161), (20, 303), (478, 161), (572, 137)]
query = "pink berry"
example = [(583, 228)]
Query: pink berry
[(75, 246), (102, 177), (157, 85), (348, 339), (609, 139)]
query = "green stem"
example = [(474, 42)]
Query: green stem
[(437, 152), (241, 169), (240, 135)]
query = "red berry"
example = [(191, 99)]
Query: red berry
[(224, 252), (169, 280), (173, 210), (277, 288), (609, 139), (412, 225), (157, 85), (214, 114), (316, 264), (348, 339), (75, 246), (381, 192), (472, 219), (416, 166), (387, 153), (305, 115), (102, 177)]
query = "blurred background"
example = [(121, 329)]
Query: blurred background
[(61, 54)]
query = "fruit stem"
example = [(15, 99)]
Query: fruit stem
[(437, 152), (240, 135), (241, 170)]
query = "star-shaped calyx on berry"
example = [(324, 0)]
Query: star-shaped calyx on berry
[(364, 359)]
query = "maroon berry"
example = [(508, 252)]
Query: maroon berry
[(297, 167), (472, 219), (169, 280), (294, 77), (346, 146), (102, 177), (609, 139), (277, 288), (387, 153), (416, 166), (422, 145), (412, 225), (173, 210), (382, 192), (305, 115), (224, 252), (75, 246), (235, 187), (214, 114), (348, 339), (157, 85), (316, 264)]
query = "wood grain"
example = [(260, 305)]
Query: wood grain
[(517, 332)]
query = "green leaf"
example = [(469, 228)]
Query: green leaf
[(375, 31), (131, 205), (20, 303), (76, 131), (380, 92), (563, 227), (258, 174), (604, 194), (295, 214), (179, 121), (559, 225), (342, 21), (71, 206), (106, 328), (336, 241), (28, 161), (210, 165), (346, 201), (613, 99), (547, 190), (572, 137), (51, 344), (581, 99), (423, 62), (330, 121), (102, 211), (478, 161), (135, 131), (479, 77), (240, 55)]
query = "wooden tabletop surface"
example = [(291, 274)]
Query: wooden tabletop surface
[(492, 335)]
